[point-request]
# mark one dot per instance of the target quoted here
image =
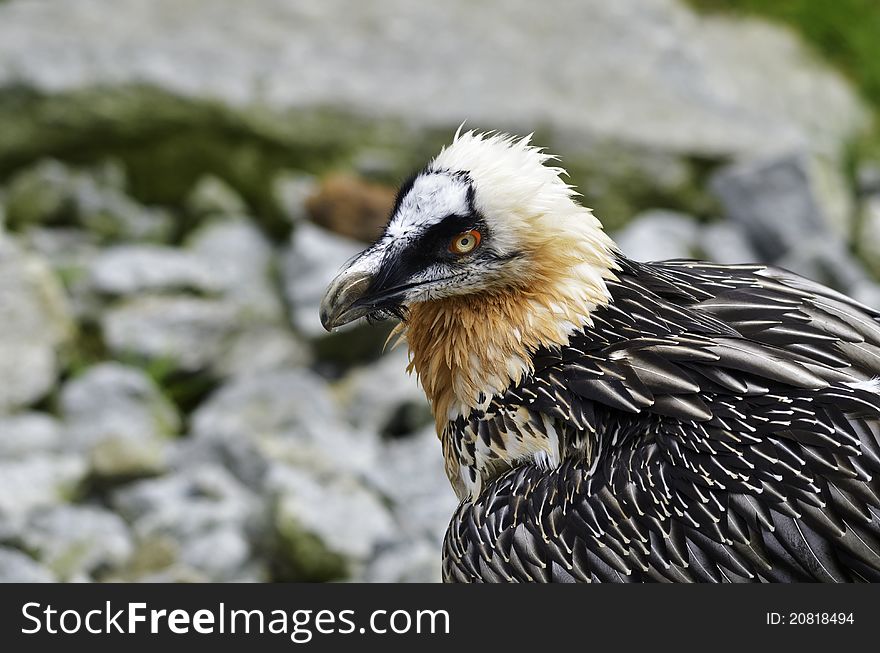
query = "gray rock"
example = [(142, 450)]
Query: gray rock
[(325, 528), (867, 292), (658, 235), (670, 79), (213, 196), (28, 433), (241, 258), (230, 257), (826, 260), (76, 541), (724, 242), (221, 554), (281, 401), (309, 264), (118, 416), (38, 480), (411, 562), (133, 269), (34, 323), (70, 252), (411, 476), (52, 193), (119, 459), (114, 401), (186, 333), (383, 398), (248, 458), (261, 349), (187, 505), (286, 416), (290, 190), (778, 202), (67, 249), (16, 567)]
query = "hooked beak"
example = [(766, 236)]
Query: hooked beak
[(362, 289), (341, 301)]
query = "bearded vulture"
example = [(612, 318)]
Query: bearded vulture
[(604, 419)]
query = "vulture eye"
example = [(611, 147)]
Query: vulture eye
[(465, 243)]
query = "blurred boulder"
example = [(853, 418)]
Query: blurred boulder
[(28, 433), (725, 242), (174, 514), (70, 252), (52, 193), (241, 259), (413, 479), (76, 542), (826, 260), (291, 190), (222, 554), (186, 332), (213, 196), (136, 269), (17, 567), (117, 460), (285, 416), (309, 264), (261, 349), (114, 401), (35, 323), (383, 398), (324, 528), (417, 561), (228, 258), (658, 235), (781, 201), (351, 207), (670, 79), (38, 480), (119, 418)]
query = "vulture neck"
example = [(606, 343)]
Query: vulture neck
[(467, 348)]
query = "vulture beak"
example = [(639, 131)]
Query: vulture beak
[(360, 289), (341, 303), (373, 282)]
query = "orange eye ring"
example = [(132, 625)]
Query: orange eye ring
[(465, 243)]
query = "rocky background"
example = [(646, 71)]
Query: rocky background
[(179, 179)]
